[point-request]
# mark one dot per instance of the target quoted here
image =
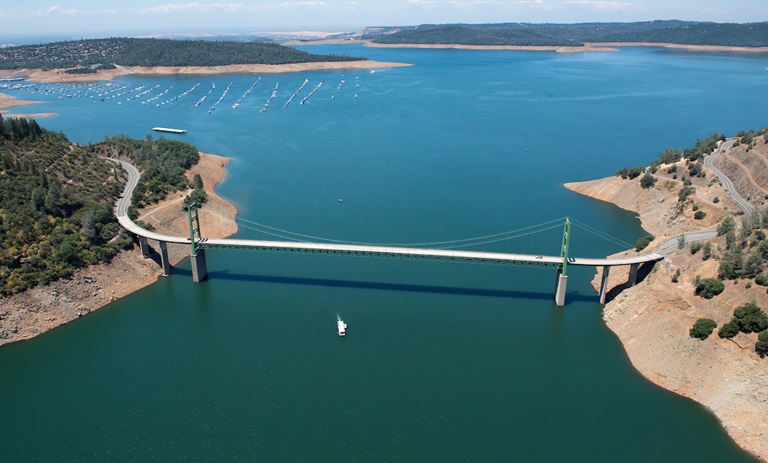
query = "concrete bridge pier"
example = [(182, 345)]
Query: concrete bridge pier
[(144, 246), (164, 258), (633, 274), (561, 282), (199, 266), (604, 283)]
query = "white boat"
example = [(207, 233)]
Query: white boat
[(165, 129), (342, 327)]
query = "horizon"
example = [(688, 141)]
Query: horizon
[(91, 19)]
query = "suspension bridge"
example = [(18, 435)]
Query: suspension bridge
[(198, 246)]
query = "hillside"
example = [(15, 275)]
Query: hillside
[(653, 318), (520, 34), (90, 56), (55, 206), (747, 165), (42, 308), (56, 198)]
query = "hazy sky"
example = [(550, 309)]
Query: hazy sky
[(94, 17)]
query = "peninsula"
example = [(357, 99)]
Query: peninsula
[(575, 37), (105, 59), (654, 319), (66, 256)]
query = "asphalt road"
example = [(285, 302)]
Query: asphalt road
[(709, 161)]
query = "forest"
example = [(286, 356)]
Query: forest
[(89, 54), (57, 198), (519, 34), (56, 203)]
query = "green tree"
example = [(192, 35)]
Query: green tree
[(762, 248), (708, 287), (727, 225), (750, 318), (702, 328), (643, 242), (684, 193), (88, 224), (728, 330), (761, 347), (731, 264), (647, 181), (753, 265), (52, 198), (67, 253), (197, 182)]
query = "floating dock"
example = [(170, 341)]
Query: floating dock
[(165, 129)]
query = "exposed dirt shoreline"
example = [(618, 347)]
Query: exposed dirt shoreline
[(7, 101), (58, 75), (33, 312), (588, 47), (652, 319)]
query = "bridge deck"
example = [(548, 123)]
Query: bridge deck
[(121, 210)]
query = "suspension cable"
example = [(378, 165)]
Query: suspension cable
[(434, 243), (602, 234), (552, 227)]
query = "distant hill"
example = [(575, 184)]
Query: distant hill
[(89, 55), (522, 34)]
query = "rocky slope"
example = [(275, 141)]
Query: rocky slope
[(652, 319)]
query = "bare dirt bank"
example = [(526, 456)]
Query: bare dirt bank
[(701, 48), (588, 47), (652, 319), (7, 101), (37, 75), (595, 48), (40, 309)]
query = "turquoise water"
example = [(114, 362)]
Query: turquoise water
[(442, 362)]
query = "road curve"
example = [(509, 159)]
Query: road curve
[(121, 211), (709, 161)]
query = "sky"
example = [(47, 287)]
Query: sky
[(94, 18)]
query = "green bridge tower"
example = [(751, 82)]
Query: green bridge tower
[(199, 266), (562, 271)]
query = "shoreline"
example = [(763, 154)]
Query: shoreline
[(43, 308), (651, 320), (8, 101), (57, 75), (556, 49), (588, 47)]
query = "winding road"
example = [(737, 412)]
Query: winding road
[(709, 161)]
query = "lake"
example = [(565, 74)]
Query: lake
[(441, 362)]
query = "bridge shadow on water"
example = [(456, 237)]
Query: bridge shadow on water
[(383, 286)]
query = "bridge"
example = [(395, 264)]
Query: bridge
[(198, 246)]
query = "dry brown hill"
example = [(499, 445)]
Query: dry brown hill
[(652, 319)]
